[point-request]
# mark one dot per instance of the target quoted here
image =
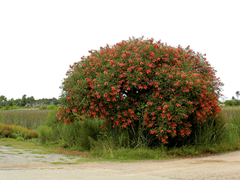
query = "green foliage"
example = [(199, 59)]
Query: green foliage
[(3, 101), (75, 134), (146, 91), (232, 102), (42, 107), (26, 102), (45, 134)]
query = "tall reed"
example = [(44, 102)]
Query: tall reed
[(30, 119)]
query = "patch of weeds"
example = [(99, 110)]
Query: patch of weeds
[(61, 159), (20, 139), (20, 153), (39, 156), (39, 152), (8, 144)]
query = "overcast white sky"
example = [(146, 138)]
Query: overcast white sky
[(40, 39)]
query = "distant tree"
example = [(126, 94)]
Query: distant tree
[(24, 100), (10, 102), (30, 100), (233, 98), (230, 103), (3, 101), (237, 94), (55, 101)]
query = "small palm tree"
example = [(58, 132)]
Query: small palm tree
[(237, 94)]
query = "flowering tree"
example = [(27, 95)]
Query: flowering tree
[(144, 88)]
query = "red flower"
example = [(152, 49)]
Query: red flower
[(106, 83), (67, 121), (68, 110), (183, 76), (170, 76), (150, 103), (151, 53), (148, 71)]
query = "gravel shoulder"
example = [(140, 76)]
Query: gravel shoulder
[(24, 164)]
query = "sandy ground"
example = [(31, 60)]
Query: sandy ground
[(18, 164)]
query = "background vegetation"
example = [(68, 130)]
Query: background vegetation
[(26, 102)]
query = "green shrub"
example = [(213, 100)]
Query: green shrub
[(73, 135), (42, 107), (45, 134), (147, 93)]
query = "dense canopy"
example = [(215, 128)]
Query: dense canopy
[(142, 84)]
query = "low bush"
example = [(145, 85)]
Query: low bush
[(14, 131), (74, 135)]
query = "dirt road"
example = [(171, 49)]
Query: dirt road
[(28, 165)]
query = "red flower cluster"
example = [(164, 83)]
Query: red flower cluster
[(170, 83)]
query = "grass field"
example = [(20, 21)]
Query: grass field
[(231, 111), (30, 119)]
